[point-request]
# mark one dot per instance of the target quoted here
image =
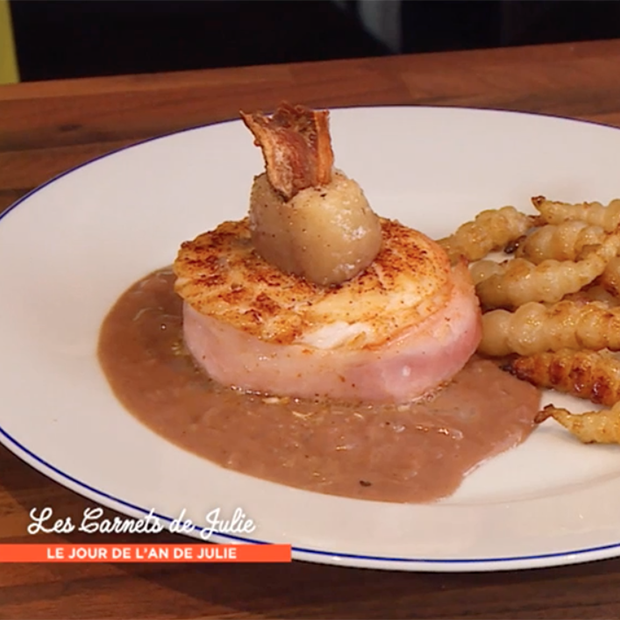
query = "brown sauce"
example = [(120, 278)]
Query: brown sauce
[(412, 453)]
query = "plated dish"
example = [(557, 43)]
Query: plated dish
[(205, 166)]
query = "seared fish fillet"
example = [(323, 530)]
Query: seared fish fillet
[(397, 331)]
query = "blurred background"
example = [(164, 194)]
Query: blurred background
[(73, 38)]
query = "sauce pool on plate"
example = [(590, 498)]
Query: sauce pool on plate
[(419, 452)]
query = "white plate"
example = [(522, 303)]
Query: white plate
[(70, 248)]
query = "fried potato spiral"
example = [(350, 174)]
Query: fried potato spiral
[(610, 278), (553, 309), (491, 230), (592, 375), (483, 269), (590, 427), (521, 281), (535, 328), (592, 213), (565, 241), (594, 293)]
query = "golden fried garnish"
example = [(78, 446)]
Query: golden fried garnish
[(590, 427), (556, 304), (593, 375), (536, 327), (565, 241), (483, 269), (595, 292), (593, 213), (296, 146), (610, 278), (491, 230), (222, 276), (522, 281)]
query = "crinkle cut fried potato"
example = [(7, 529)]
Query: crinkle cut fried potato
[(592, 213), (596, 292), (592, 375), (564, 241), (610, 278), (536, 327), (590, 427), (551, 308), (491, 230), (519, 281)]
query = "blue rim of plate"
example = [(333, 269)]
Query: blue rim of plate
[(88, 491)]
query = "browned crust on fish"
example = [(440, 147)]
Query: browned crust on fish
[(221, 275)]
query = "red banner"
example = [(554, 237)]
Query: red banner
[(144, 553)]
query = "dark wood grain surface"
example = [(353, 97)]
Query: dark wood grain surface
[(46, 128)]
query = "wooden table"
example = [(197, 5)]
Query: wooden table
[(46, 128)]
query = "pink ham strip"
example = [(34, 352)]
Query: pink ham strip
[(407, 367)]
